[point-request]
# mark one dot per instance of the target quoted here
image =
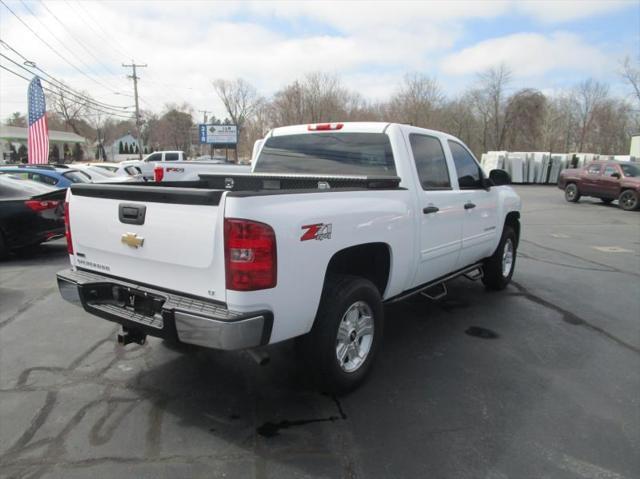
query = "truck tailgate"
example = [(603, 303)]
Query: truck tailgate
[(169, 238)]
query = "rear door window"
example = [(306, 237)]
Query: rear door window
[(610, 170), (40, 178), (171, 157), (430, 162), (593, 170), (366, 154)]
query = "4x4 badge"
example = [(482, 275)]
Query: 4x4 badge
[(319, 231)]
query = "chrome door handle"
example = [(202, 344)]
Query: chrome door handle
[(468, 206), (430, 209)]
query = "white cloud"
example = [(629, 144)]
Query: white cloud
[(529, 54), (556, 11), (188, 44)]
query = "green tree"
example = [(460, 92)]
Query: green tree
[(120, 148)]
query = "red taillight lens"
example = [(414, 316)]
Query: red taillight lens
[(158, 173), (36, 205), (250, 255), (325, 126), (67, 227)]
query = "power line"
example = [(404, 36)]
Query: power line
[(62, 43), (104, 66), (72, 101), (49, 46), (59, 84)]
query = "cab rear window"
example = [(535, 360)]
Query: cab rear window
[(328, 154)]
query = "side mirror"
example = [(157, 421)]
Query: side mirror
[(500, 177), (615, 175)]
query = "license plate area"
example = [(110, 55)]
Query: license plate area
[(132, 300)]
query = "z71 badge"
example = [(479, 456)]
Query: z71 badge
[(320, 231)]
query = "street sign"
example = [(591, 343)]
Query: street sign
[(218, 134)]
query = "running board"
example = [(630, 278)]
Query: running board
[(436, 295), (473, 271), (474, 274)]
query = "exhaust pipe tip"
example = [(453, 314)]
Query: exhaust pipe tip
[(260, 357)]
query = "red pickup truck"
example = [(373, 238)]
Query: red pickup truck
[(607, 180)]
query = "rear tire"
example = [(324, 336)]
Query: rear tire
[(629, 200), (571, 193), (498, 269), (343, 342)]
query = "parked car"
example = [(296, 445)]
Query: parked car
[(147, 164), (28, 214), (334, 221), (49, 175), (607, 180), (119, 169), (100, 175)]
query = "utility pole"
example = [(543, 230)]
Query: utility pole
[(135, 79)]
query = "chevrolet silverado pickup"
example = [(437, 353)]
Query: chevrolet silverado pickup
[(333, 221)]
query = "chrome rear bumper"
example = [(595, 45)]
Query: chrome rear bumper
[(165, 314)]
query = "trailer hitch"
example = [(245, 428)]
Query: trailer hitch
[(127, 336)]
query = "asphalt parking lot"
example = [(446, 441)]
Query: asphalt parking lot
[(541, 380)]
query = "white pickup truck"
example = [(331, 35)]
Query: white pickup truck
[(334, 221), (148, 163)]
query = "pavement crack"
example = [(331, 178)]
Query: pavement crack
[(26, 306), (572, 318)]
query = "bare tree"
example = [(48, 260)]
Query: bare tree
[(587, 97), (631, 73), (16, 119), (417, 100), (72, 109), (240, 99), (491, 103)]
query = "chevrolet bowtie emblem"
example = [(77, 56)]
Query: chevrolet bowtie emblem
[(132, 239)]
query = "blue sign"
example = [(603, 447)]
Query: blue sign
[(203, 133)]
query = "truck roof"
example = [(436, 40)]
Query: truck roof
[(353, 127)]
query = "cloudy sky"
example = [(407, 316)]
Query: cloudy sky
[(549, 45)]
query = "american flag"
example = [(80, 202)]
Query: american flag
[(38, 132)]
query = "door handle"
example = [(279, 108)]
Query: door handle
[(430, 209), (468, 206)]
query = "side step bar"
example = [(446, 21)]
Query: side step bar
[(437, 289)]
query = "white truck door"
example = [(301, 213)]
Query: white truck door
[(439, 209), (479, 205)]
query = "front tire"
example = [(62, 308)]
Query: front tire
[(346, 334), (498, 269), (571, 193), (628, 200)]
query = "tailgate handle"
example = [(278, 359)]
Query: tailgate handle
[(131, 214)]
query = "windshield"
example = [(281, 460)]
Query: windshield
[(328, 154), (630, 170)]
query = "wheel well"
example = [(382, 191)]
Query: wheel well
[(513, 220), (371, 261)]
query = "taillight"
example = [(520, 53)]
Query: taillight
[(325, 126), (67, 227), (250, 255), (36, 205), (158, 174)]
